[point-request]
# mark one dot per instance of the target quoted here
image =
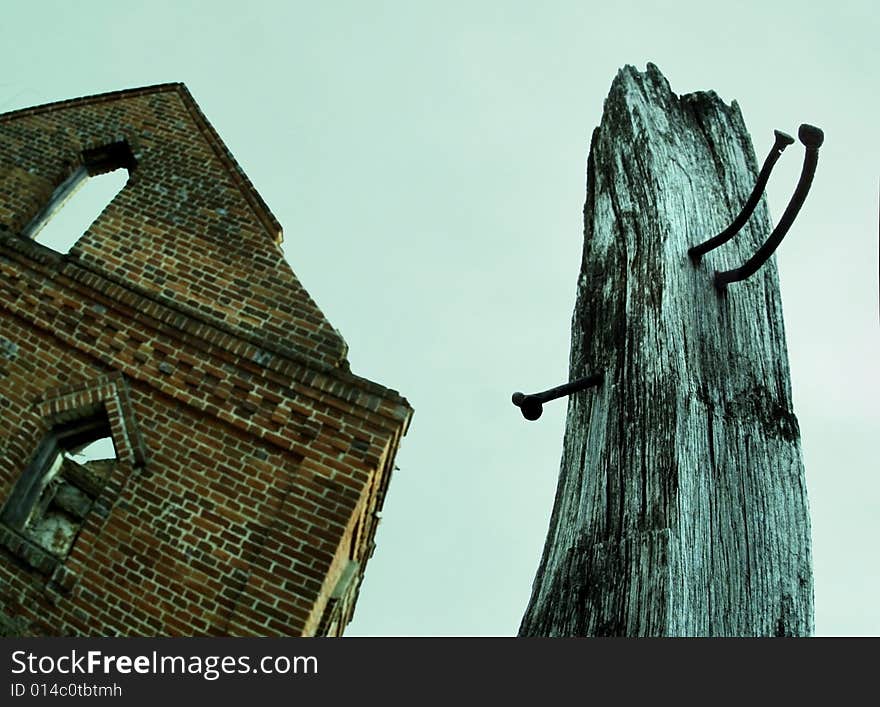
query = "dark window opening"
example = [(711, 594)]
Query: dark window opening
[(58, 489), (337, 611), (82, 197)]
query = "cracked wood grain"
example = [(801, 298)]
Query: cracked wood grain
[(681, 507)]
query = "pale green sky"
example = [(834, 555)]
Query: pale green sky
[(427, 162)]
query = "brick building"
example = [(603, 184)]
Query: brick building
[(241, 492)]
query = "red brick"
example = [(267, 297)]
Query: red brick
[(258, 390)]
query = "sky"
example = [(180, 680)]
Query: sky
[(427, 162)]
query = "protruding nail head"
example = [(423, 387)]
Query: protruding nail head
[(783, 139), (529, 405), (811, 136)]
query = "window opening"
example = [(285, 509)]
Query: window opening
[(95, 451), (82, 197), (340, 601), (55, 494)]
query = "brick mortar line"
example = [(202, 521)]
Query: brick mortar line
[(62, 265), (59, 266), (192, 401)]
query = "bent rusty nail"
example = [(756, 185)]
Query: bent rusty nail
[(812, 138), (532, 405), (783, 140)]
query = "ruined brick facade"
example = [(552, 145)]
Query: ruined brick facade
[(250, 462)]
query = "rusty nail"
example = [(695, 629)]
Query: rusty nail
[(532, 405), (783, 140), (812, 138)]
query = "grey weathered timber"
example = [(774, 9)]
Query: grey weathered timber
[(681, 508)]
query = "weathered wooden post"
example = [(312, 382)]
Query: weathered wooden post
[(682, 507)]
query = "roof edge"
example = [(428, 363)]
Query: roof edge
[(93, 98), (244, 184)]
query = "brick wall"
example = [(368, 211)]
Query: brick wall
[(251, 464)]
